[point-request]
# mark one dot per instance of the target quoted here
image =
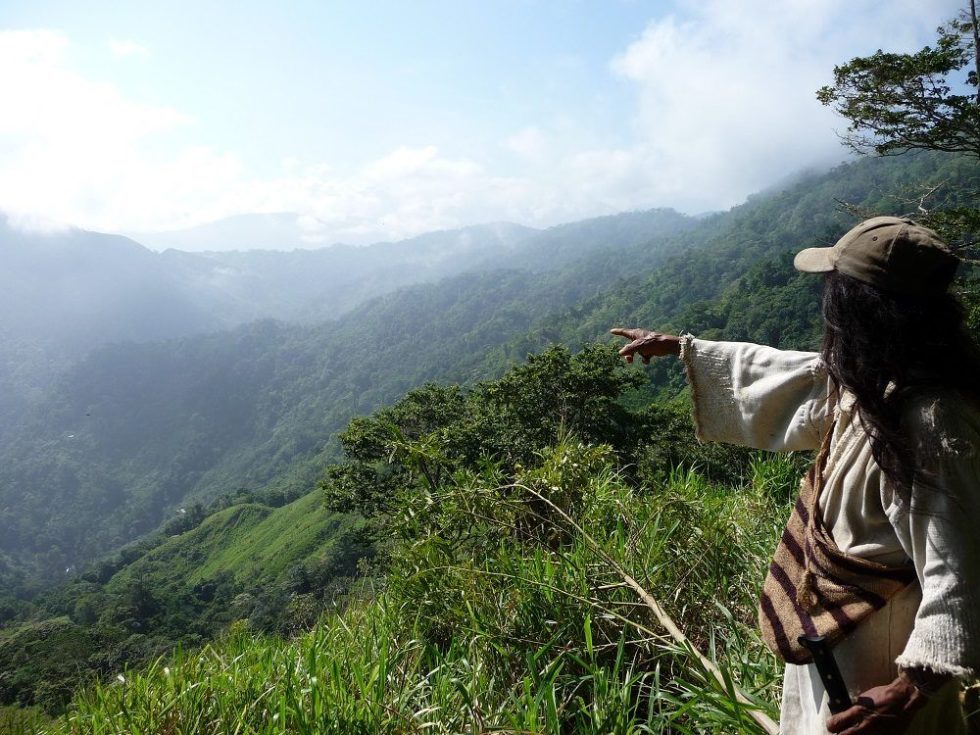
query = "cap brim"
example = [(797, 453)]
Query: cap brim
[(815, 260)]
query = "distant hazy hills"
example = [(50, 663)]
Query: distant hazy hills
[(122, 437), (72, 288), (122, 392), (77, 288), (272, 231), (61, 294)]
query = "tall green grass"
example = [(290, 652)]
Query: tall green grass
[(497, 615), (22, 720)]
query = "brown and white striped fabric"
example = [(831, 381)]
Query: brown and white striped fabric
[(815, 589)]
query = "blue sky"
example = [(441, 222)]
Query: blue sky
[(384, 119)]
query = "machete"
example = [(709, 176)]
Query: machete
[(833, 682)]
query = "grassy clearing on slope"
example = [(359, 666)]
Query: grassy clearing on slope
[(498, 617), (254, 543)]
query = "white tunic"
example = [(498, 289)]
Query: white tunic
[(781, 401)]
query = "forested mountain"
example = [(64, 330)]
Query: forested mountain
[(221, 437), (134, 432), (73, 290), (64, 293), (61, 294), (76, 289)]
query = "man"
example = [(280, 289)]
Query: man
[(882, 553)]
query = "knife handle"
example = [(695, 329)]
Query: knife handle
[(830, 676)]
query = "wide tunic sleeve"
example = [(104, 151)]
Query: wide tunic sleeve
[(757, 396), (939, 527)]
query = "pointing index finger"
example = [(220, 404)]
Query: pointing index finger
[(623, 332)]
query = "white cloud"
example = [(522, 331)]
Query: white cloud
[(406, 161), (726, 90), (529, 143), (72, 145), (403, 193), (76, 150), (401, 162), (121, 49), (724, 106)]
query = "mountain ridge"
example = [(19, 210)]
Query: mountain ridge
[(265, 399)]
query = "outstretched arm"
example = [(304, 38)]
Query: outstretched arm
[(743, 393)]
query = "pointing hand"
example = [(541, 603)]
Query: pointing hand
[(647, 344)]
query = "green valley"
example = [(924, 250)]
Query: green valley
[(177, 530)]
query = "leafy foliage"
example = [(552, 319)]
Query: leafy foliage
[(273, 567), (496, 615), (901, 102), (437, 433)]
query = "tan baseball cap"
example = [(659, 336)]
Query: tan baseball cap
[(890, 253)]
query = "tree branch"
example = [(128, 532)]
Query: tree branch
[(976, 45)]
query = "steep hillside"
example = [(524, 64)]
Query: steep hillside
[(463, 492), (267, 399), (276, 567), (256, 545), (135, 432), (64, 293)]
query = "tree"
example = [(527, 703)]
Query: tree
[(928, 101), (902, 102), (421, 442)]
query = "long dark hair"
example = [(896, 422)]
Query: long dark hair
[(874, 339)]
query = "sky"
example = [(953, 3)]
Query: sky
[(380, 120)]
